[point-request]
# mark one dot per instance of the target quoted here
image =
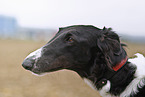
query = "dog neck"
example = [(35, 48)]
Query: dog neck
[(119, 77), (122, 78), (116, 84), (109, 75), (132, 83)]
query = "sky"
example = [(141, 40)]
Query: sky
[(124, 16)]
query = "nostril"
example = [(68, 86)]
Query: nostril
[(27, 66)]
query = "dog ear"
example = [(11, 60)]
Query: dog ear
[(109, 45), (109, 42)]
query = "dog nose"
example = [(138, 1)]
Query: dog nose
[(27, 65)]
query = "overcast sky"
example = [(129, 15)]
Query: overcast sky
[(124, 16)]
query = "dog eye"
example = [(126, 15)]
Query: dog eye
[(70, 39)]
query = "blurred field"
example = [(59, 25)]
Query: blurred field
[(17, 82)]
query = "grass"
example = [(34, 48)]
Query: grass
[(17, 82)]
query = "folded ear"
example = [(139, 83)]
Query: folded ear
[(109, 42), (109, 45)]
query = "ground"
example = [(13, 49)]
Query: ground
[(17, 82)]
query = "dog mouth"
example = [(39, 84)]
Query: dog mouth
[(39, 63), (39, 68)]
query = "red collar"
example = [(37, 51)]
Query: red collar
[(119, 65)]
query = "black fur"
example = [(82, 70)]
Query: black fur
[(141, 93), (90, 51)]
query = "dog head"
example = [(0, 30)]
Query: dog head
[(85, 49)]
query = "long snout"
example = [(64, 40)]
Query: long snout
[(30, 60)]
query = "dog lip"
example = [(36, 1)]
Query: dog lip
[(38, 71)]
